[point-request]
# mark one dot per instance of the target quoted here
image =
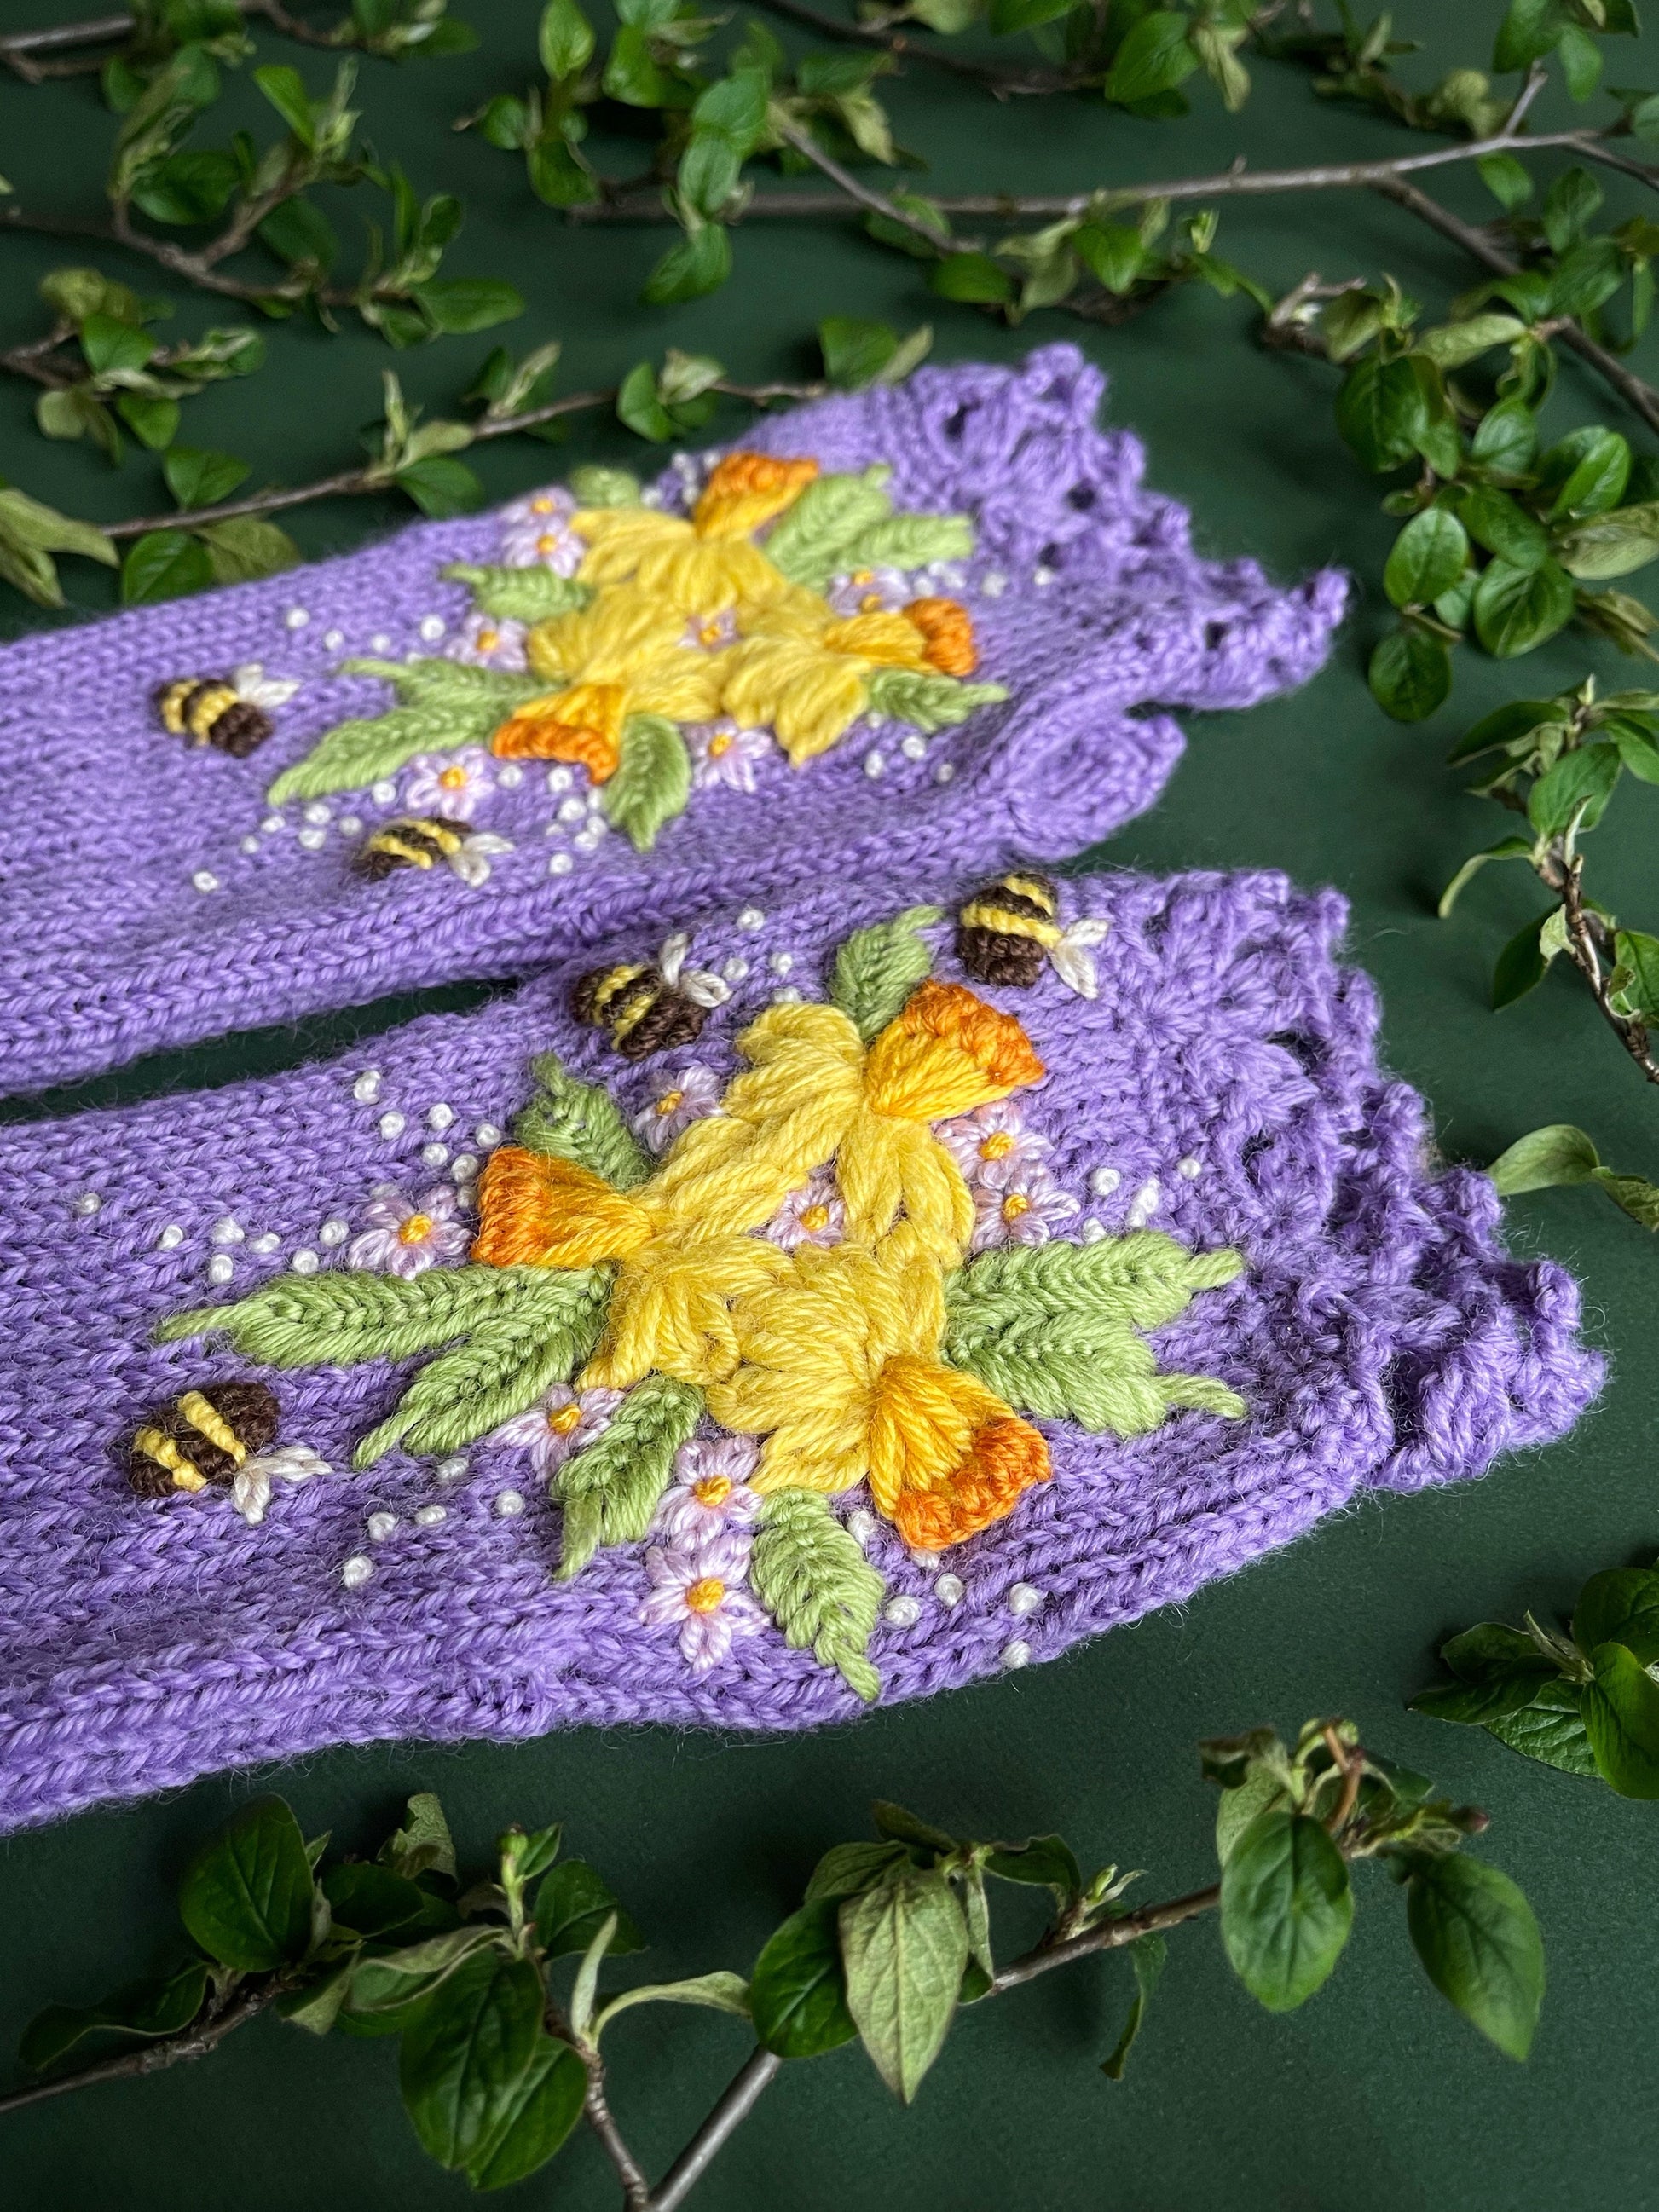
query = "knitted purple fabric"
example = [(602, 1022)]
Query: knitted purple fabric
[(155, 895), (1311, 1308)]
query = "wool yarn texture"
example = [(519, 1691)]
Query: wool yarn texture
[(845, 1298), (897, 631)]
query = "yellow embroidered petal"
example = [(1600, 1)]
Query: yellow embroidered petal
[(885, 638), (810, 697), (619, 537), (583, 723), (747, 490), (945, 1053), (887, 1168), (670, 1310), (947, 1457), (606, 642), (539, 1212), (684, 684)]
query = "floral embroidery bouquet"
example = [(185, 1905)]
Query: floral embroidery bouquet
[(892, 627), (856, 1296)]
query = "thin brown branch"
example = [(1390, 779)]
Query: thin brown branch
[(877, 203), (998, 79), (196, 2041), (1350, 1765), (742, 2093), (1640, 397), (1106, 1935), (1582, 950)]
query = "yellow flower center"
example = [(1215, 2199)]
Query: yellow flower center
[(870, 604), (997, 1145), (713, 1490), (668, 1102), (415, 1230), (488, 640), (815, 1218), (563, 1419), (710, 633), (706, 1595), (864, 575), (541, 506), (719, 743), (1014, 1205), (452, 779), (547, 543)]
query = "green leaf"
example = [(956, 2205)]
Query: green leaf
[(1052, 1328), (1428, 556), (197, 477), (572, 1905), (164, 564), (1005, 16), (1507, 848), (812, 1577), (245, 1896), (303, 236), (421, 1843), (162, 2006), (611, 1490), (1517, 609), (1596, 480), (526, 595), (926, 701), (1508, 180), (1551, 1729), (534, 2115), (1572, 199), (1634, 984), (651, 782), (1147, 1955), (1580, 784), (1046, 1862), (1620, 1607), (440, 486), (847, 1870), (1380, 411), (466, 2051), (1480, 1946), (877, 969), (1286, 1908), (154, 422), (910, 541), (1261, 1791), (1520, 966), (693, 266), (973, 278), (1493, 520), (389, 1987), (1506, 438), (1410, 674), (1155, 57), (31, 533), (796, 1997), (446, 704), (815, 538), (855, 353), (1508, 726), (372, 1900), (285, 90), (1545, 1159), (571, 1120), (112, 345), (720, 1992), (464, 304), (1598, 550), (247, 547), (1455, 345), (1622, 1718), (903, 1946), (564, 40)]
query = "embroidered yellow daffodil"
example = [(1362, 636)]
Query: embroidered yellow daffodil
[(841, 1373), (623, 655), (806, 671), (708, 563)]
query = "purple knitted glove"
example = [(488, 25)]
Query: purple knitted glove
[(999, 1276), (302, 793)]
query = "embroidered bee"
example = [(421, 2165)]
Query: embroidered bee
[(421, 841), (1008, 928), (204, 1436), (648, 1007), (232, 713)]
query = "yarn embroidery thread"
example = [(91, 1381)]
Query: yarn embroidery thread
[(688, 1378), (231, 713), (764, 615)]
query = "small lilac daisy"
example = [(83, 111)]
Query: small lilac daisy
[(992, 1143), (535, 533), (869, 591), (560, 1423), (811, 1215), (406, 1236), (489, 641), (710, 1490), (700, 1590), (676, 1102), (724, 753), (1026, 1207), (449, 783)]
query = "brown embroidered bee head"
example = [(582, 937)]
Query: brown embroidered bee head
[(202, 1438), (230, 713)]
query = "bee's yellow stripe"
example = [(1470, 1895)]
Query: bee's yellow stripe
[(419, 856), (209, 708), (980, 914), (629, 1019), (209, 1422), (1033, 888), (187, 1475)]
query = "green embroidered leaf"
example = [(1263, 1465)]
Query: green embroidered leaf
[(653, 782), (444, 703), (610, 1490), (1052, 1328), (877, 969), (928, 703), (594, 486), (570, 1120), (816, 1583), (912, 541), (527, 595), (339, 1319), (810, 544), (506, 1363)]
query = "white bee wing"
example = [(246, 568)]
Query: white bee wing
[(471, 866), (1073, 961), (487, 840), (702, 988), (252, 685), (672, 959), (251, 1492)]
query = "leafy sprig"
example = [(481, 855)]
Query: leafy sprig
[(498, 1991)]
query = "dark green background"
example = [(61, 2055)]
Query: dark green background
[(1375, 2097)]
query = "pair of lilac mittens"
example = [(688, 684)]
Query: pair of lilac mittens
[(854, 1262)]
